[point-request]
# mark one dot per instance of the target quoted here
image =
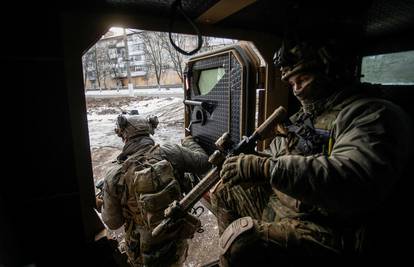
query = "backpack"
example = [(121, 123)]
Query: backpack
[(149, 186)]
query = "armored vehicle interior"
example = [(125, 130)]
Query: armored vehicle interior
[(47, 201)]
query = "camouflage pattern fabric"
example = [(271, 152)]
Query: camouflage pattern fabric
[(279, 231), (173, 254), (232, 202), (287, 242), (371, 145), (327, 197), (122, 206)]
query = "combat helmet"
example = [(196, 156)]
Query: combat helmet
[(330, 57), (132, 125)]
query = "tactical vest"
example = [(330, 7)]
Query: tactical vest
[(309, 136), (353, 236), (149, 186)]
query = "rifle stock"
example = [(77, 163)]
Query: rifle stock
[(185, 204)]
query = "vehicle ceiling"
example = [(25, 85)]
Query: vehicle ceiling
[(376, 21)]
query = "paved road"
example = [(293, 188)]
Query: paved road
[(173, 92)]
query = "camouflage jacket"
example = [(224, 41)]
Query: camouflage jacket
[(371, 141), (189, 157)]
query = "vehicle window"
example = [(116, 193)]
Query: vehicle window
[(208, 79), (394, 68)]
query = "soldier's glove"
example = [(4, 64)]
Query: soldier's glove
[(244, 168), (184, 227)]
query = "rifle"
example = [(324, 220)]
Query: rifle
[(99, 185), (225, 149)]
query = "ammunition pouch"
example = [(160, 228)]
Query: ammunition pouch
[(153, 178), (152, 206)]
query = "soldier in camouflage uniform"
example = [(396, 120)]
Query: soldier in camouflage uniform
[(333, 169), (144, 180)]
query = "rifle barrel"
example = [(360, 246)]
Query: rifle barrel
[(214, 175), (203, 186)]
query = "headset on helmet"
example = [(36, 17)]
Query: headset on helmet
[(121, 124), (300, 56), (129, 126)]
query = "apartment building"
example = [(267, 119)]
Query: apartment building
[(106, 63)]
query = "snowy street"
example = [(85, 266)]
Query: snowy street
[(162, 92), (102, 114), (106, 145)]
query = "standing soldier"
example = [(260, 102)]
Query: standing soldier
[(146, 178), (332, 173)]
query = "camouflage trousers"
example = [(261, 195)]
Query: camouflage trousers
[(256, 230), (171, 254)]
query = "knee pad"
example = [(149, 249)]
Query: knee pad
[(233, 231), (245, 243)]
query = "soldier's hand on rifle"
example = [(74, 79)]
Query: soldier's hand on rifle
[(99, 196), (241, 168), (186, 227), (183, 227)]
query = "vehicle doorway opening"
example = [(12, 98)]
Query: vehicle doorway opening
[(131, 72)]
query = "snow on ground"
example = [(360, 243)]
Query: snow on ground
[(106, 145), (102, 119), (136, 92)]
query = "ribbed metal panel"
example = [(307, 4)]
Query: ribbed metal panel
[(235, 85), (227, 98)]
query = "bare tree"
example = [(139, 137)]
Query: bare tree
[(160, 55), (177, 59), (88, 65), (114, 69), (105, 62), (211, 43), (105, 67), (101, 65), (155, 53), (85, 69), (97, 72), (206, 43), (97, 65), (127, 61), (185, 42)]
